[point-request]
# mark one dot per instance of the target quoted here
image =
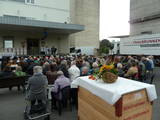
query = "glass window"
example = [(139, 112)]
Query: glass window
[(8, 42), (32, 1)]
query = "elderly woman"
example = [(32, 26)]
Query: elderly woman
[(95, 68), (85, 71), (60, 83), (37, 86)]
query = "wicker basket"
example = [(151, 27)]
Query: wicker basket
[(109, 77)]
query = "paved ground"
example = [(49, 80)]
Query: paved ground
[(12, 104), (156, 106)]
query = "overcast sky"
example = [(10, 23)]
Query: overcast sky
[(114, 17)]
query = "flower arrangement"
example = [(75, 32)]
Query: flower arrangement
[(108, 68), (108, 73)]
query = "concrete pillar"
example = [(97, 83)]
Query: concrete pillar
[(85, 12)]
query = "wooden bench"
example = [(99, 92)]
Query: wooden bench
[(9, 82)]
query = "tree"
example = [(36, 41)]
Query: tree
[(105, 46), (104, 49)]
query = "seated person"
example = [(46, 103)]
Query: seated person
[(37, 86), (61, 82), (132, 71), (85, 71), (19, 71), (95, 68), (120, 70), (12, 63), (52, 74), (7, 72)]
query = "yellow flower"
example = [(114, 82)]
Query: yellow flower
[(106, 67), (102, 68), (109, 67)]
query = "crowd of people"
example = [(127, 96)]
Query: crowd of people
[(62, 70), (75, 66)]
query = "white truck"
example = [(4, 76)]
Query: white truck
[(140, 45)]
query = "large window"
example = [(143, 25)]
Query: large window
[(30, 1), (8, 42)]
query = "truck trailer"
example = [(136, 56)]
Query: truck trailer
[(140, 45)]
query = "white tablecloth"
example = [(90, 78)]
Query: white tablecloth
[(111, 93)]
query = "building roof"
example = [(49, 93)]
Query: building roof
[(25, 24)]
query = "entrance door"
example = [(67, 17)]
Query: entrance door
[(32, 46)]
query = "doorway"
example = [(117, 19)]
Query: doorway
[(33, 46)]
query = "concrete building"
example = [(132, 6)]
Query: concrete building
[(144, 36), (144, 17), (116, 48), (34, 26)]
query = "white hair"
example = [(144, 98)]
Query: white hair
[(18, 68), (37, 69), (59, 72), (73, 63), (85, 68), (119, 65), (64, 62), (94, 65)]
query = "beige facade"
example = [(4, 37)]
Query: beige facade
[(144, 17), (59, 41), (71, 14), (85, 12), (44, 10)]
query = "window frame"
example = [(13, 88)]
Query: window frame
[(8, 38), (32, 1), (29, 1)]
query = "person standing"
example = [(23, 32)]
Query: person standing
[(74, 72), (151, 62), (142, 70), (53, 50)]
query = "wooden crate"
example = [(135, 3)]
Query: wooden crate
[(131, 106)]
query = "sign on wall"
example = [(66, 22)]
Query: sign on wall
[(8, 43)]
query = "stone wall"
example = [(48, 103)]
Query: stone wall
[(141, 9)]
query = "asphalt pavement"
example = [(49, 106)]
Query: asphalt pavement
[(12, 104)]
